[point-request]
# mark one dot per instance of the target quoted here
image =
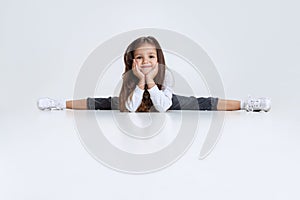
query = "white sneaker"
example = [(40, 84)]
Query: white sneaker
[(50, 104), (258, 104)]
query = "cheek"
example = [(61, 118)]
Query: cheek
[(139, 62)]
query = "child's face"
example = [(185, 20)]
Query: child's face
[(145, 57)]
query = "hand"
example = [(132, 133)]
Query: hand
[(136, 71), (151, 75)]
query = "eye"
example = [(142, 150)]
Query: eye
[(152, 56), (138, 57)]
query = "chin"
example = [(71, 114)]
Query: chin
[(146, 71)]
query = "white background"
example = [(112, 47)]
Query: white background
[(254, 45)]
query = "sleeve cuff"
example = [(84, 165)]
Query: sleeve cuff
[(154, 90), (138, 91)]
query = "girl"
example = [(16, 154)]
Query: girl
[(146, 87)]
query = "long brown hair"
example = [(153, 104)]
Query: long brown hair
[(130, 80)]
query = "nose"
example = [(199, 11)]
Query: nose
[(145, 61)]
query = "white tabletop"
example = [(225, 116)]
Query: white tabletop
[(43, 157)]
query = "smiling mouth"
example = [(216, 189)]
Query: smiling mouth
[(145, 66)]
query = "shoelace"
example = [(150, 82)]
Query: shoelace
[(51, 103), (54, 104), (253, 103)]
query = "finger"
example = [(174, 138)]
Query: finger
[(136, 67)]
